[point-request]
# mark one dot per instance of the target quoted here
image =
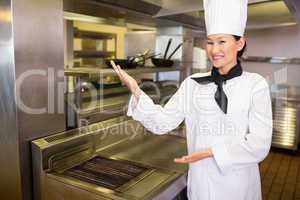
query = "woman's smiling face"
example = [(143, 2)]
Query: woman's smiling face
[(222, 50)]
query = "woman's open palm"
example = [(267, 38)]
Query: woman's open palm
[(126, 79)]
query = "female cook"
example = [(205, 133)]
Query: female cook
[(227, 113)]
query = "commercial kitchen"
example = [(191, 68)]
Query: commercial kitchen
[(65, 134)]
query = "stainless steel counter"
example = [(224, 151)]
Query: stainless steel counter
[(117, 139)]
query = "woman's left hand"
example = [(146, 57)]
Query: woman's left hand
[(196, 156)]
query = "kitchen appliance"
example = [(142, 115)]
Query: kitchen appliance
[(113, 159), (286, 116)]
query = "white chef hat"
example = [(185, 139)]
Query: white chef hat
[(225, 16)]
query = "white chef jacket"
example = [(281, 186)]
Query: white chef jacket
[(239, 139)]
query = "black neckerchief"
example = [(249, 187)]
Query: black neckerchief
[(219, 79)]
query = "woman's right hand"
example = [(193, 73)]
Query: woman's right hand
[(127, 80)]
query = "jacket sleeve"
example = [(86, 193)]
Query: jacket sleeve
[(255, 145), (156, 118)]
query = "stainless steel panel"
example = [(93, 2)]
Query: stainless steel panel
[(150, 187), (146, 185), (39, 46), (172, 191), (154, 151), (71, 116), (10, 184), (40, 49), (56, 190), (32, 49)]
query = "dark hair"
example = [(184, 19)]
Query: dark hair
[(241, 52)]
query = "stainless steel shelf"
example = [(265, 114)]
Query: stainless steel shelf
[(106, 108), (93, 54), (88, 96), (271, 60), (90, 72), (117, 103), (104, 105), (93, 35)]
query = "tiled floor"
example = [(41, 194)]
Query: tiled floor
[(280, 174)]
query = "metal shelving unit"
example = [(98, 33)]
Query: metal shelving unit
[(108, 97), (110, 106), (93, 54), (90, 72), (89, 51)]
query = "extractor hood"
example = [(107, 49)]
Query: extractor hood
[(130, 11), (261, 13), (172, 7), (188, 13)]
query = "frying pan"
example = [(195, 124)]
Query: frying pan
[(163, 62), (124, 63)]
